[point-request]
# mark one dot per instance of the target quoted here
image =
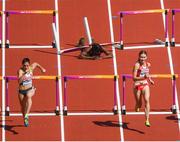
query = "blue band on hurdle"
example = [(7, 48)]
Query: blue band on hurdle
[(121, 15), (166, 12), (173, 12), (174, 77)]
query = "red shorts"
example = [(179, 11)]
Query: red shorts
[(141, 86)]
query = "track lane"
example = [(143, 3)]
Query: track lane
[(33, 27), (127, 59), (86, 95), (40, 129), (173, 5), (175, 54), (92, 128), (144, 27), (38, 31), (161, 89), (43, 101)]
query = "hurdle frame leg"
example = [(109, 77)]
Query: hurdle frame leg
[(166, 28), (7, 30), (115, 108), (1, 30), (123, 108), (65, 97), (54, 21), (121, 32), (7, 111), (173, 109), (173, 29), (57, 111)]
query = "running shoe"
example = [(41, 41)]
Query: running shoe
[(147, 123)]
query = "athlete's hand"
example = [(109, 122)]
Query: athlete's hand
[(27, 71), (151, 81), (43, 70)]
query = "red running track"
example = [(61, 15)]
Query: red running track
[(90, 95)]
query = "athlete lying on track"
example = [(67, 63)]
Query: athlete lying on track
[(94, 51)]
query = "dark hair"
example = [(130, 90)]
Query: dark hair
[(81, 42), (25, 60), (142, 52)]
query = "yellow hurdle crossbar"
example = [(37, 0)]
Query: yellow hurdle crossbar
[(31, 11), (45, 77), (154, 75), (164, 75), (34, 77)]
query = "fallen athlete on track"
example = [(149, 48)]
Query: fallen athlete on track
[(93, 52)]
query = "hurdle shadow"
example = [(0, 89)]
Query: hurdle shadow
[(45, 52), (142, 43), (53, 53), (116, 124), (173, 118)]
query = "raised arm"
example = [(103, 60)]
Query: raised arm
[(36, 65), (20, 75)]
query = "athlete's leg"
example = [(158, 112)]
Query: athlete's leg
[(146, 95), (22, 101), (28, 98), (138, 98), (29, 95)]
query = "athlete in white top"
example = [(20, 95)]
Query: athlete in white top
[(26, 88)]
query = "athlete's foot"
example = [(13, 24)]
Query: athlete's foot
[(26, 121), (137, 109), (147, 123)]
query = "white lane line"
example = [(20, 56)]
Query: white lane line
[(89, 113), (59, 74), (33, 114), (177, 45), (115, 69), (142, 113), (171, 67), (142, 46), (3, 72), (30, 46), (111, 113)]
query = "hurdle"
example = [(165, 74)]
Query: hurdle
[(124, 13), (9, 78), (163, 76), (17, 12), (1, 29), (70, 77), (174, 11)]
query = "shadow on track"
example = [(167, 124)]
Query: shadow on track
[(116, 124)]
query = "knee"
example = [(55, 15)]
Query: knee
[(147, 103)]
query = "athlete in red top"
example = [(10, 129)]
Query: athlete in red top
[(141, 86)]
